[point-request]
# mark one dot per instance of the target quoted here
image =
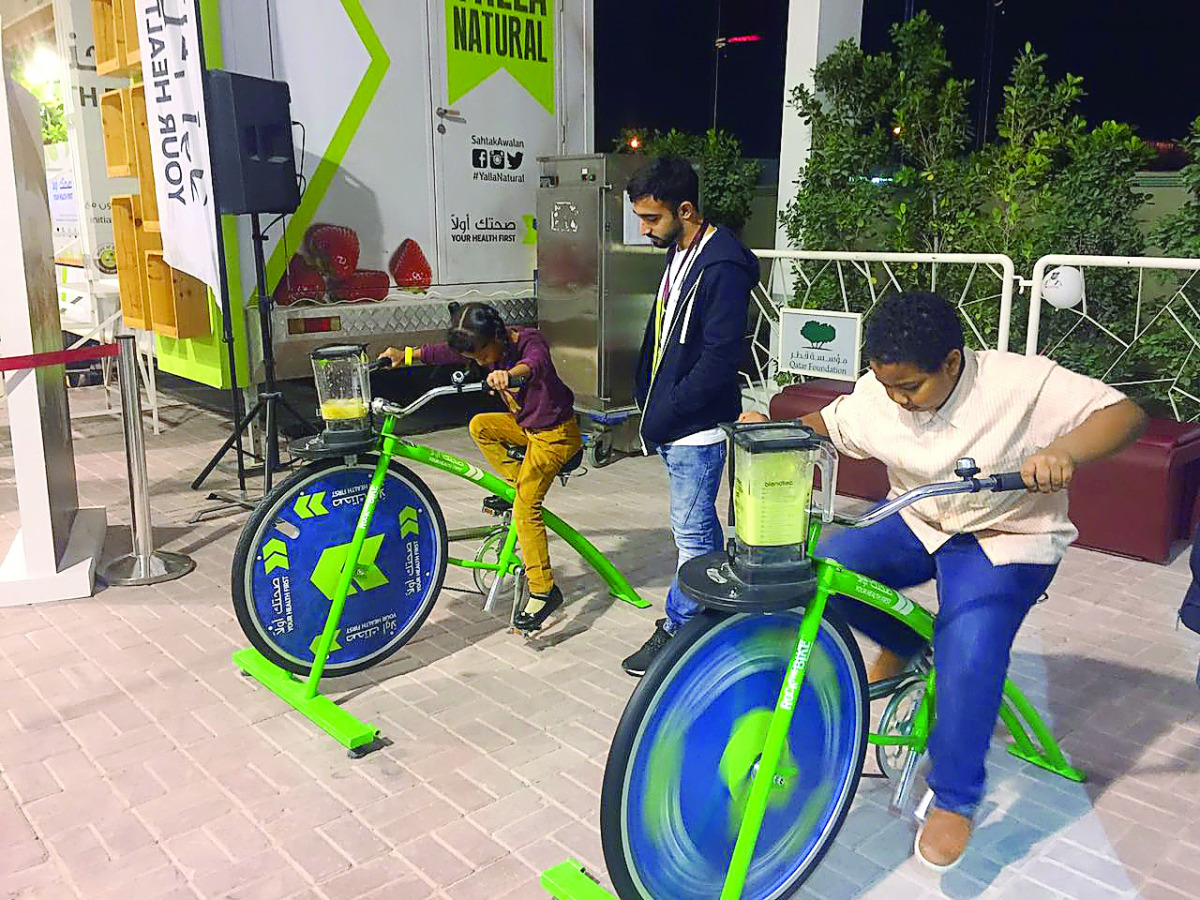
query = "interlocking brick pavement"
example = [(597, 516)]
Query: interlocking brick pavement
[(136, 762)]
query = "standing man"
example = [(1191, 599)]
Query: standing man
[(687, 375)]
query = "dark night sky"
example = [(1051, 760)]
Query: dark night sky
[(654, 59)]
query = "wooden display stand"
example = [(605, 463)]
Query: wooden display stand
[(133, 243), (144, 164), (117, 123), (115, 25), (154, 296), (178, 302)]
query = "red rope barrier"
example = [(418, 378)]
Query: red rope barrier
[(58, 357)]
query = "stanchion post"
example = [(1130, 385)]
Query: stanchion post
[(144, 565)]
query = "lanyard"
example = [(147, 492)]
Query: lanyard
[(664, 296)]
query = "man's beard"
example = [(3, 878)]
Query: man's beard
[(663, 243)]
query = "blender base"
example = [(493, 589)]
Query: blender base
[(712, 582), (317, 447)]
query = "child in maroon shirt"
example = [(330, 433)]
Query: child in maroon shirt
[(541, 418)]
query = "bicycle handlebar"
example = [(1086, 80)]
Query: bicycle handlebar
[(460, 386), (1005, 481)]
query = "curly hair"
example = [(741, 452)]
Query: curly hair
[(918, 328)]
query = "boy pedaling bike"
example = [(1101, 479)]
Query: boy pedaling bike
[(541, 419), (927, 401)]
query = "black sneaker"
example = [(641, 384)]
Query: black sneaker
[(496, 506), (637, 664), (527, 623)]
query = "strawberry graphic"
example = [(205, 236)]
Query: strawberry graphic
[(333, 249), (409, 267), (361, 286), (300, 282)]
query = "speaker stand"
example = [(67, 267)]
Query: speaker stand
[(265, 405)]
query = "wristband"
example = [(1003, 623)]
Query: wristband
[(408, 356)]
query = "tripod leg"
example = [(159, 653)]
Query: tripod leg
[(272, 441), (229, 442)]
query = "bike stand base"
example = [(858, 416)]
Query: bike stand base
[(569, 881), (1066, 771), (348, 731)]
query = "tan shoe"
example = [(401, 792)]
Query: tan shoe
[(942, 839), (887, 665)]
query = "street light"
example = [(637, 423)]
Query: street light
[(720, 44)]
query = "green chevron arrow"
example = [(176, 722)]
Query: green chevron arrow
[(332, 647), (309, 505), (275, 555), (367, 574), (408, 522)]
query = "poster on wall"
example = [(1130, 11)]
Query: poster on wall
[(497, 116), (365, 223), (173, 75), (418, 147)]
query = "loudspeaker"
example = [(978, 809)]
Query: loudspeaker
[(250, 136)]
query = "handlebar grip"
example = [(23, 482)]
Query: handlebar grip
[(1008, 481), (380, 364), (516, 382)]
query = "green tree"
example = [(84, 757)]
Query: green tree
[(727, 179), (1179, 233)]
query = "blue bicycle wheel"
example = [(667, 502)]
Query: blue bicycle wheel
[(294, 547), (686, 750)]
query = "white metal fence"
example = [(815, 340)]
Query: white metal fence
[(1137, 327), (981, 286)]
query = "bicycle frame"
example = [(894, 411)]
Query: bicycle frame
[(391, 446)]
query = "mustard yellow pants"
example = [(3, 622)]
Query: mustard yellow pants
[(545, 453)]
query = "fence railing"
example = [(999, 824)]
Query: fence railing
[(980, 284), (1136, 326)]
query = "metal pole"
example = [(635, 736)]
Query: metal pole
[(716, 66), (144, 565)]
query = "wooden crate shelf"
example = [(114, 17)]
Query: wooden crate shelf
[(109, 37), (133, 242), (116, 121), (140, 131), (114, 24), (178, 302), (127, 13)]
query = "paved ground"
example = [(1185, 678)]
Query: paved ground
[(137, 763)]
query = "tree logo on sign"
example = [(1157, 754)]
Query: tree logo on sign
[(817, 334)]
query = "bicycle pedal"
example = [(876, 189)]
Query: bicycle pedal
[(496, 506)]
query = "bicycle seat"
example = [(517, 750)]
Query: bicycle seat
[(572, 463)]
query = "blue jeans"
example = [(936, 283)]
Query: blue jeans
[(694, 474), (981, 606)]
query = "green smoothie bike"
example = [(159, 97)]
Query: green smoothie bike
[(339, 565), (739, 753)]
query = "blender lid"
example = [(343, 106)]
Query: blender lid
[(774, 437), (337, 351)]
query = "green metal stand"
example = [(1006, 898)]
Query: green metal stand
[(569, 881), (327, 715)]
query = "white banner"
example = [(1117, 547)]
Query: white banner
[(172, 72)]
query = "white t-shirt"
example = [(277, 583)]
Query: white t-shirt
[(1005, 408), (681, 265)]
